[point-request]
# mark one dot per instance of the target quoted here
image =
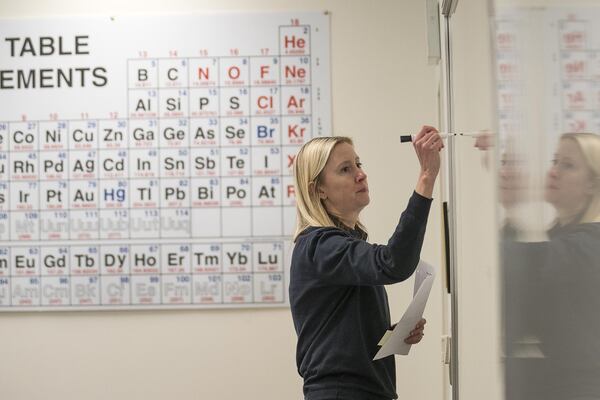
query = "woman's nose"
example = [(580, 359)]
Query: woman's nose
[(361, 176), (553, 172)]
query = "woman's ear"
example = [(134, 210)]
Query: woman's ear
[(317, 188), (322, 194), (593, 185)]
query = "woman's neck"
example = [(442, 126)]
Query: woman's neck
[(347, 221), (566, 217)]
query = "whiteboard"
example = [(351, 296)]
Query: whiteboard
[(145, 161)]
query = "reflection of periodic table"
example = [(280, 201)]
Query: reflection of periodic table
[(145, 162), (576, 57), (570, 43)]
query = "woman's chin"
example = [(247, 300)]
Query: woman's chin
[(550, 195)]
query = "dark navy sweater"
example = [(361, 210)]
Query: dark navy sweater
[(340, 308)]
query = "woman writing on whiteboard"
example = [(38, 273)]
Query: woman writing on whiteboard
[(338, 301)]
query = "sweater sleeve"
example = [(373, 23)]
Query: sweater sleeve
[(337, 258)]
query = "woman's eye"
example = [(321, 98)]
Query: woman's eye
[(345, 169), (567, 165), (359, 165)]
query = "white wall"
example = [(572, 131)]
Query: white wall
[(381, 86)]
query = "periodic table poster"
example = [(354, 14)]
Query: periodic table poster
[(145, 161)]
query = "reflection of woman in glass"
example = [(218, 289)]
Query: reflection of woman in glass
[(552, 292), (574, 180)]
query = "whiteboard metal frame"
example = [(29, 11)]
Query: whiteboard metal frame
[(448, 8)]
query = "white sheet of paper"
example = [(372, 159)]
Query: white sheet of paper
[(393, 343)]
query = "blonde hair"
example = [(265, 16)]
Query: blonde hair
[(308, 166), (589, 144)]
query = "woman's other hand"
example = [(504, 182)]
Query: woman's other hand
[(416, 334)]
